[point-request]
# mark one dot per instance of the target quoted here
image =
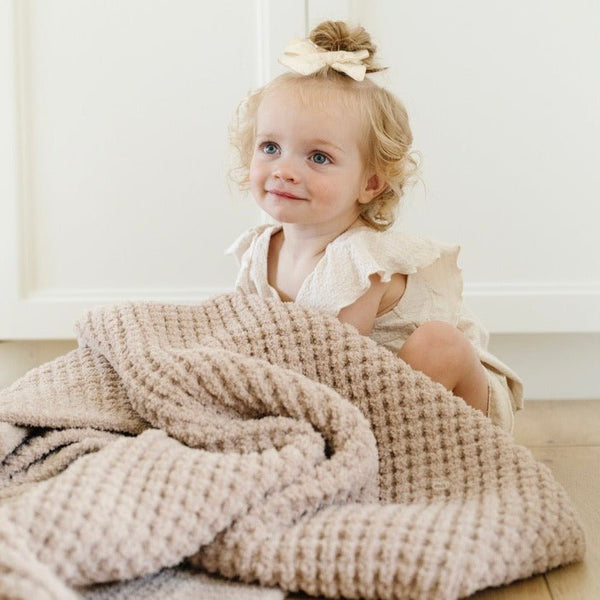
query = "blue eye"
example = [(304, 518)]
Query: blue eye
[(269, 148), (320, 158)]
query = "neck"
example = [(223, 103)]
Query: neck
[(302, 241)]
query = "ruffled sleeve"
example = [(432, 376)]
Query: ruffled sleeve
[(244, 242), (342, 276), (251, 250)]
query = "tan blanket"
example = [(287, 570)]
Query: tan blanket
[(266, 443)]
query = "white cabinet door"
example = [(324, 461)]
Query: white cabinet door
[(114, 150)]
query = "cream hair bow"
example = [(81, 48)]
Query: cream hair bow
[(305, 57)]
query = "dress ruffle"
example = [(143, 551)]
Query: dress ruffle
[(342, 276)]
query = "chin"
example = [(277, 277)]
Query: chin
[(281, 214)]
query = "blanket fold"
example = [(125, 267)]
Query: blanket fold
[(266, 443)]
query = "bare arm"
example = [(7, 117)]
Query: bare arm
[(375, 300)]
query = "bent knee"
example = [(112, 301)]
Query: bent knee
[(437, 333), (441, 338)]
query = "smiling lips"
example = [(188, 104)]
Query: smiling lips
[(284, 195)]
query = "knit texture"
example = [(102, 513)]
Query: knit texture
[(180, 584), (267, 443)]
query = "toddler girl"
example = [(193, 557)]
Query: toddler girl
[(326, 153)]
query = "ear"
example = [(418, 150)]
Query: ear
[(373, 187)]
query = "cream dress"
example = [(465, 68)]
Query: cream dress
[(433, 293)]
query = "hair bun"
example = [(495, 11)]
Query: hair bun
[(333, 36)]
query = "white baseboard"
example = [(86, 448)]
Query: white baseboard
[(510, 308), (16, 358), (553, 366)]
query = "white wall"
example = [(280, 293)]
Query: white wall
[(504, 101), (113, 158), (553, 366)]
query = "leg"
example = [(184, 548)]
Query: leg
[(445, 354)]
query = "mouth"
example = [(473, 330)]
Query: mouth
[(284, 195)]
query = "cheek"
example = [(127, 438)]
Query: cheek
[(252, 170), (256, 173), (332, 191)]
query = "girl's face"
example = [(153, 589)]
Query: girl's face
[(307, 167)]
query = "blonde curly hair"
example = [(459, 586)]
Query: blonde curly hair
[(387, 147)]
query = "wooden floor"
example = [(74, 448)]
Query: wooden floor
[(566, 437)]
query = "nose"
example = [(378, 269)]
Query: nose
[(286, 171)]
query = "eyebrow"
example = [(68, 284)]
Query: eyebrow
[(325, 143)]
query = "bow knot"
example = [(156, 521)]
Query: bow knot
[(306, 58)]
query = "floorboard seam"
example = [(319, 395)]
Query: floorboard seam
[(548, 587)]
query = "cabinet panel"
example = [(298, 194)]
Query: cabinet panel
[(115, 151)]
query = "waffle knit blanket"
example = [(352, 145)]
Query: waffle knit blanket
[(265, 443)]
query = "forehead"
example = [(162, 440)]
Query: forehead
[(331, 111)]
